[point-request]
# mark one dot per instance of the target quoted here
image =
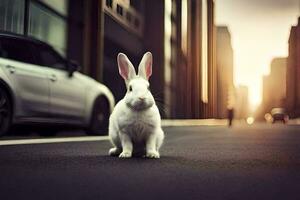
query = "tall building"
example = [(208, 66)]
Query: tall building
[(293, 73), (192, 86), (276, 81), (224, 72), (181, 36), (179, 33), (274, 88), (241, 103)]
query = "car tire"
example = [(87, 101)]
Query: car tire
[(100, 117), (5, 112)]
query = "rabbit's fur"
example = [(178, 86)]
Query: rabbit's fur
[(135, 123)]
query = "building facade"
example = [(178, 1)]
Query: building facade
[(192, 89), (225, 91), (179, 33), (241, 103), (277, 82), (274, 88), (45, 20), (293, 73)]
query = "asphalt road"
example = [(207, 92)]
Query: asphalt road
[(256, 162)]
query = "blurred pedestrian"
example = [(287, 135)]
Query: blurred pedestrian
[(230, 116)]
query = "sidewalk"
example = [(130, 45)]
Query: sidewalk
[(295, 121), (194, 122)]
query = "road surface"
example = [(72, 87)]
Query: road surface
[(197, 162)]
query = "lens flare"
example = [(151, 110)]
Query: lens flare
[(250, 120)]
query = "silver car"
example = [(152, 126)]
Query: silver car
[(39, 86), (279, 114)]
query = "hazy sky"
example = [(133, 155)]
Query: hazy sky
[(260, 31)]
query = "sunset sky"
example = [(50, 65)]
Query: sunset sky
[(260, 31)]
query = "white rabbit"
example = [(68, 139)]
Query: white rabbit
[(135, 123)]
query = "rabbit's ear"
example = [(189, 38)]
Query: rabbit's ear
[(145, 67), (126, 68)]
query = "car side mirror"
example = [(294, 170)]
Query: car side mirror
[(72, 67)]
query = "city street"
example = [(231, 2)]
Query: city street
[(69, 70), (197, 162)]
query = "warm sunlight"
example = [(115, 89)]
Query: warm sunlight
[(259, 31)]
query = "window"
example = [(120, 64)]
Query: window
[(204, 59), (119, 10), (12, 15), (109, 3), (184, 26), (47, 27), (16, 49), (49, 58), (46, 20), (60, 6)]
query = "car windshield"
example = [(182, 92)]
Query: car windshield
[(277, 110)]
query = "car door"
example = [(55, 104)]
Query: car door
[(67, 93), (30, 80)]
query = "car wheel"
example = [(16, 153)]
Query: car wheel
[(5, 112), (100, 117)]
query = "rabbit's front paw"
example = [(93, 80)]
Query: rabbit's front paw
[(152, 154), (125, 154), (114, 151)]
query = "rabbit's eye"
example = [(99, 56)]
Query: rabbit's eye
[(130, 88)]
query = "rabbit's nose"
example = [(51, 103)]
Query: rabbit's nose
[(142, 98)]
